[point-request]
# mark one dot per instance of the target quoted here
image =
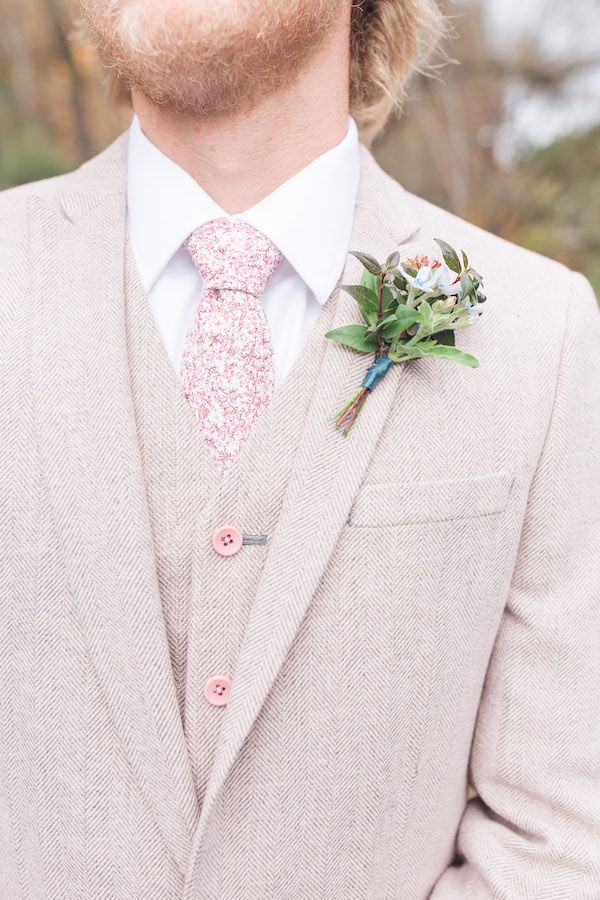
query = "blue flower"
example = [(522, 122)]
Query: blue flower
[(433, 277)]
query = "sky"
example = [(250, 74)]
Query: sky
[(564, 33), (513, 15)]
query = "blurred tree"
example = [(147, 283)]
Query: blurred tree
[(559, 212), (463, 144), (467, 140), (53, 108), (75, 81)]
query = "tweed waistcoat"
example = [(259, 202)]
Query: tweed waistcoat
[(205, 599), (177, 474)]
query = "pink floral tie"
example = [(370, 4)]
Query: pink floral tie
[(227, 368)]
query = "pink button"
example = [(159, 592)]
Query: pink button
[(227, 540), (216, 690)]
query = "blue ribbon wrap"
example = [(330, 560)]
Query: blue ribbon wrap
[(377, 372)]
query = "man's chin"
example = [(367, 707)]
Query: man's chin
[(208, 62), (204, 92)]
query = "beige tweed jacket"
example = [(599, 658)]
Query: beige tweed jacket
[(414, 652)]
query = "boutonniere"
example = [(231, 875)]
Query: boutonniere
[(411, 310)]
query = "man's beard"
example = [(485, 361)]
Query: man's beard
[(205, 57)]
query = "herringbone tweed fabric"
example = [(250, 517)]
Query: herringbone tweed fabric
[(424, 615)]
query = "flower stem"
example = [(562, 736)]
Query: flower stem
[(346, 415), (342, 410), (381, 286)]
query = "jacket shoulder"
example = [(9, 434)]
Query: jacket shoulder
[(19, 195), (104, 172), (13, 209)]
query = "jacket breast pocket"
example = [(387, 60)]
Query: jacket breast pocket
[(420, 502)]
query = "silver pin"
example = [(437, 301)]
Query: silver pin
[(255, 540)]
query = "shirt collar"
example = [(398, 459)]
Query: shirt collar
[(309, 217)]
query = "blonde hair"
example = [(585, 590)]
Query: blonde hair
[(389, 40)]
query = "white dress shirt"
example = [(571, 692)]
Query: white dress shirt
[(309, 218)]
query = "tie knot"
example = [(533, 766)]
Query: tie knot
[(230, 254)]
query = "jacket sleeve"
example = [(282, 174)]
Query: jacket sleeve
[(533, 830)]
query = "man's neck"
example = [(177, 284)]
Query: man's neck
[(239, 159)]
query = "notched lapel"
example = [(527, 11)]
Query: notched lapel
[(90, 458), (327, 473)]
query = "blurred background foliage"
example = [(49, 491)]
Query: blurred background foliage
[(509, 138)]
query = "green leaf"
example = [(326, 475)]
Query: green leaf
[(426, 323), (392, 260), (369, 262), (355, 336), (444, 352), (447, 338), (426, 326), (450, 256), (465, 259), (393, 330), (361, 293), (367, 299), (466, 285), (408, 316), (389, 301), (370, 281), (402, 319)]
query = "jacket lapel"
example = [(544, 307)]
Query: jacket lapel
[(326, 475), (91, 462)]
